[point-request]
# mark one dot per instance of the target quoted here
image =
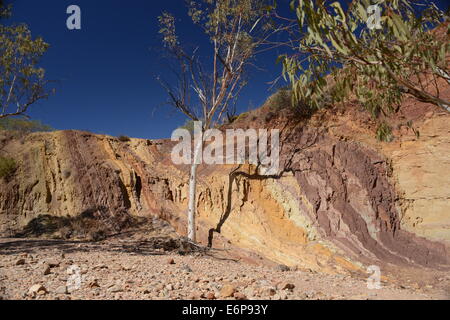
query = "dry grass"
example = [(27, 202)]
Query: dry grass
[(92, 225)]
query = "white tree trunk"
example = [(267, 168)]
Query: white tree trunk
[(192, 191), (192, 203)]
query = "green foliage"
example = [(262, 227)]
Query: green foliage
[(22, 82), (284, 99), (23, 125), (280, 100), (341, 58), (384, 132), (168, 30), (242, 116), (7, 167), (234, 118), (231, 118), (208, 86), (124, 138), (218, 20)]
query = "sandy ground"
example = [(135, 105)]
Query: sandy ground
[(130, 266)]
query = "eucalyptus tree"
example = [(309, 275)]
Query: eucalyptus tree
[(374, 53), (206, 87), (22, 81)]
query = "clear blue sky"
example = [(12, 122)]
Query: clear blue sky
[(107, 70)]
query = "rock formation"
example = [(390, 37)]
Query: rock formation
[(339, 203)]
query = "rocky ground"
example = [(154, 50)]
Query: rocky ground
[(146, 264)]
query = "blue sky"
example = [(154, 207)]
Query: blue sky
[(107, 70)]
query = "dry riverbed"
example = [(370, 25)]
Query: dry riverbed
[(133, 267)]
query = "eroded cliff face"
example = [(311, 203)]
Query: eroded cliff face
[(421, 171), (336, 205)]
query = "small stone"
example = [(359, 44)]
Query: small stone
[(282, 268), (93, 284), (286, 286), (186, 268), (37, 289), (61, 290), (170, 261), (165, 293), (210, 296), (169, 287), (159, 287), (227, 291), (177, 286), (239, 296), (197, 295), (53, 263), (47, 270), (126, 268), (192, 296), (276, 297), (20, 262), (270, 291), (115, 289), (249, 292)]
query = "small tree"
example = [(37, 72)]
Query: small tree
[(346, 54), (22, 83), (236, 30)]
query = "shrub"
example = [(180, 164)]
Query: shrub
[(23, 125), (124, 138), (283, 99), (7, 167), (93, 224), (280, 100), (384, 132), (242, 116)]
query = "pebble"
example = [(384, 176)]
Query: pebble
[(286, 286), (227, 291), (93, 284), (61, 290), (20, 262), (270, 291), (47, 270), (239, 296), (37, 289), (115, 289), (169, 287), (127, 276), (186, 268), (210, 296), (282, 267)]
